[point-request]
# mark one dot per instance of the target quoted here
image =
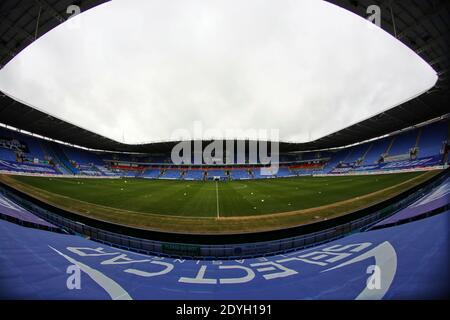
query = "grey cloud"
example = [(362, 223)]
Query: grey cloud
[(147, 68)]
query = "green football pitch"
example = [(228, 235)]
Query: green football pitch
[(204, 205)]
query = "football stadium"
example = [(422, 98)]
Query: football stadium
[(359, 212)]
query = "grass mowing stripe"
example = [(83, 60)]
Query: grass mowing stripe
[(217, 198), (201, 198), (241, 218)]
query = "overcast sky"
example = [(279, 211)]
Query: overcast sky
[(147, 68)]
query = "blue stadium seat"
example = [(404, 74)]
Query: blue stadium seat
[(194, 175), (432, 138), (377, 148), (403, 142), (171, 174)]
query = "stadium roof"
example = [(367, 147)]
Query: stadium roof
[(24, 21), (421, 25)]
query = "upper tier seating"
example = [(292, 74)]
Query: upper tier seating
[(377, 148), (81, 156), (432, 138), (6, 154), (356, 153), (34, 150), (403, 143), (336, 158)]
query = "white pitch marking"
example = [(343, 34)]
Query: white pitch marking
[(217, 200), (115, 291)]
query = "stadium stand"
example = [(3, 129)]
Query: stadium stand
[(61, 157), (256, 174), (53, 159), (337, 159), (10, 211), (239, 174), (171, 174), (129, 173), (20, 146), (437, 200), (375, 151), (422, 147), (151, 173), (357, 153), (88, 170), (336, 270), (18, 167), (412, 256), (433, 138), (307, 156), (34, 149), (194, 174), (308, 168), (105, 171), (402, 144), (81, 157), (215, 174), (8, 155), (284, 172)]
